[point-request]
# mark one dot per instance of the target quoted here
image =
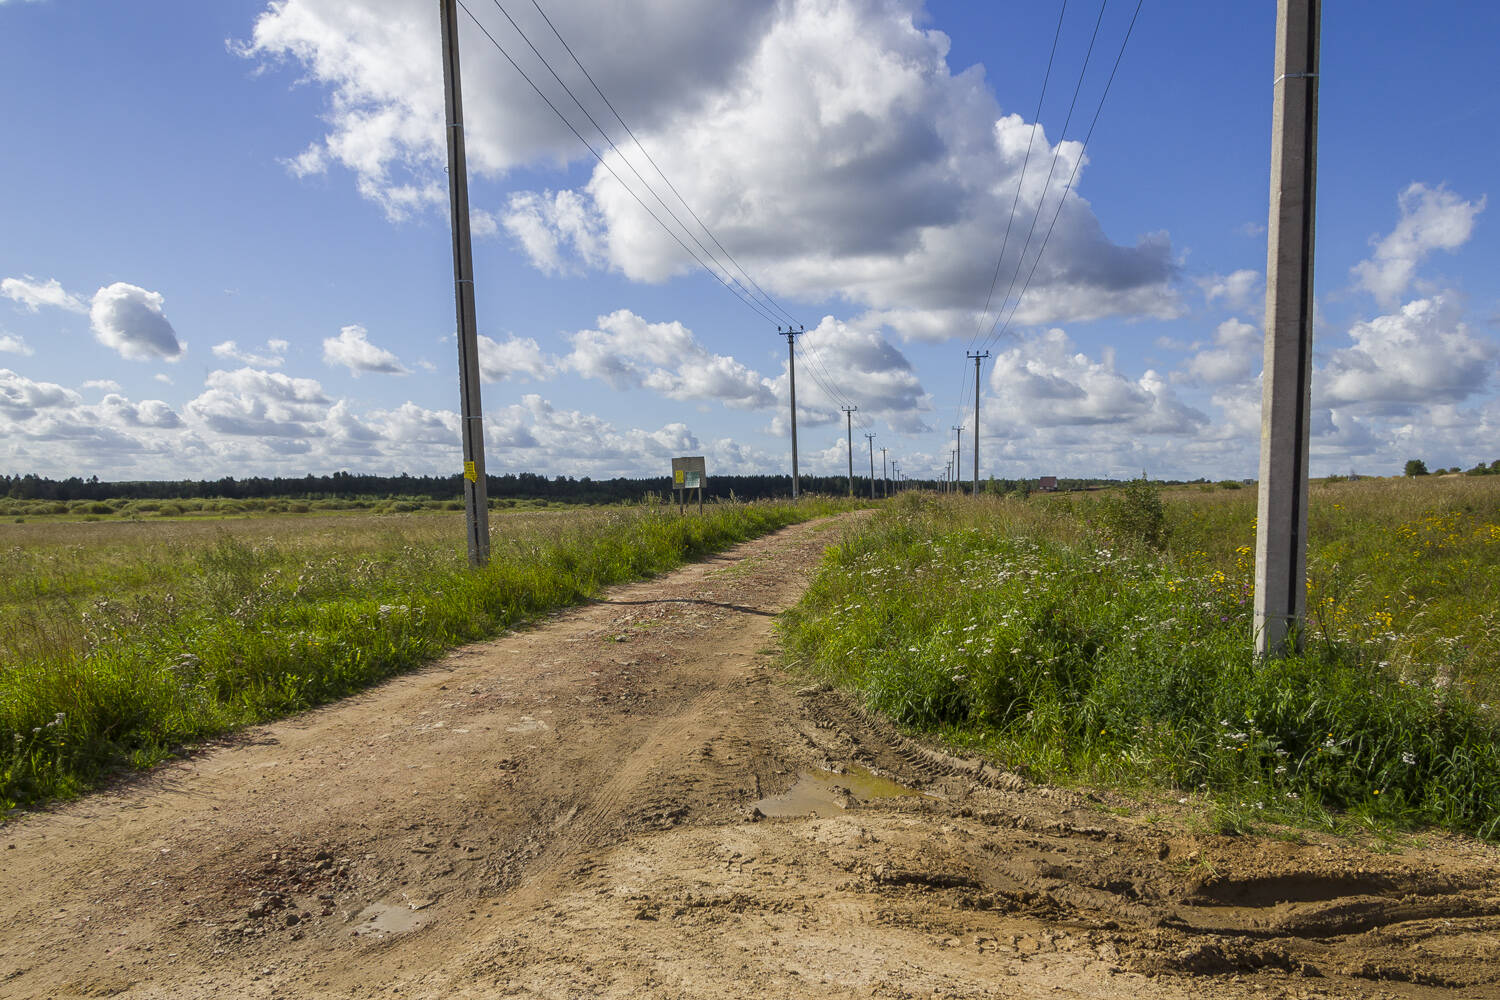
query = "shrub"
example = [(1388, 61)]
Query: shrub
[(1135, 515)]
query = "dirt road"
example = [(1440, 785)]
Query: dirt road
[(631, 800)]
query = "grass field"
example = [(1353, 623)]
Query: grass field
[(1107, 638), (122, 640)]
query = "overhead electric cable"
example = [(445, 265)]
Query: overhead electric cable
[(749, 302), (652, 160), (1074, 174), (623, 158), (1035, 121), (1052, 167)]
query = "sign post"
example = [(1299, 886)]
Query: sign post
[(690, 473)]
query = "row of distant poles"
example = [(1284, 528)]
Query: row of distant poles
[(1281, 532)]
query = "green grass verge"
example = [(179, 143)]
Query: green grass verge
[(1016, 628), (117, 649)]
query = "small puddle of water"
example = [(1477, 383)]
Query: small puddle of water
[(822, 793), (383, 920)]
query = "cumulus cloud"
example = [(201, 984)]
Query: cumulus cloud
[(352, 349), (33, 294), (104, 385), (1431, 219), (147, 413), (1235, 355), (627, 352), (535, 434), (513, 358), (273, 355), (1422, 355), (11, 344), (250, 401), (21, 397), (379, 61), (837, 360), (129, 320), (1235, 289), (1045, 382), (827, 143)]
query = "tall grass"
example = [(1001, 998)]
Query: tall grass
[(1078, 649), (120, 643)]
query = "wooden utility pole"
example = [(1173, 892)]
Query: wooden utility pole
[(976, 358), (1286, 397), (476, 489), (791, 370), (871, 439), (849, 429)]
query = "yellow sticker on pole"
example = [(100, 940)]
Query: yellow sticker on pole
[(677, 477), (471, 473)]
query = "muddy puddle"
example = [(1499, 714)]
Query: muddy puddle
[(825, 793), (383, 920)]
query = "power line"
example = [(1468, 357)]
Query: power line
[(749, 302), (1056, 152), (651, 160), (1035, 121), (1074, 174), (605, 135)]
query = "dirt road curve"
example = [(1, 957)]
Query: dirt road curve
[(570, 812)]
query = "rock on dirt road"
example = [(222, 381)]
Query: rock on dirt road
[(631, 800)]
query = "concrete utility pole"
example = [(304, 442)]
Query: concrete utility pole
[(958, 451), (871, 439), (896, 474), (849, 428), (791, 370), (885, 477), (1281, 525), (476, 487), (976, 358)]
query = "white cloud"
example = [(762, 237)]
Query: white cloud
[(837, 360), (129, 320), (33, 294), (22, 398), (1235, 289), (163, 378), (513, 358), (274, 355), (1236, 355), (1431, 219), (352, 349), (103, 384), (261, 403), (379, 61), (147, 413), (629, 352), (11, 344), (1044, 382), (826, 142), (1422, 355)]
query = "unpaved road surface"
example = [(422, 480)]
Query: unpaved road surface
[(570, 812)]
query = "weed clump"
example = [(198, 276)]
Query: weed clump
[(1079, 661)]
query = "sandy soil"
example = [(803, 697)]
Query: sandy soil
[(631, 800)]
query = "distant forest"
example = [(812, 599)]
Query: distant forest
[(525, 486)]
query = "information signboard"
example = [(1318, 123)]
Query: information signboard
[(689, 473)]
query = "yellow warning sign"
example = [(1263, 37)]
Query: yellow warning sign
[(471, 473), (677, 476)]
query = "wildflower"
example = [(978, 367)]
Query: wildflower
[(1408, 758)]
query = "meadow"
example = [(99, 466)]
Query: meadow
[(125, 637), (1106, 638)]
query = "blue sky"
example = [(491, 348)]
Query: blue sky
[(226, 241)]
